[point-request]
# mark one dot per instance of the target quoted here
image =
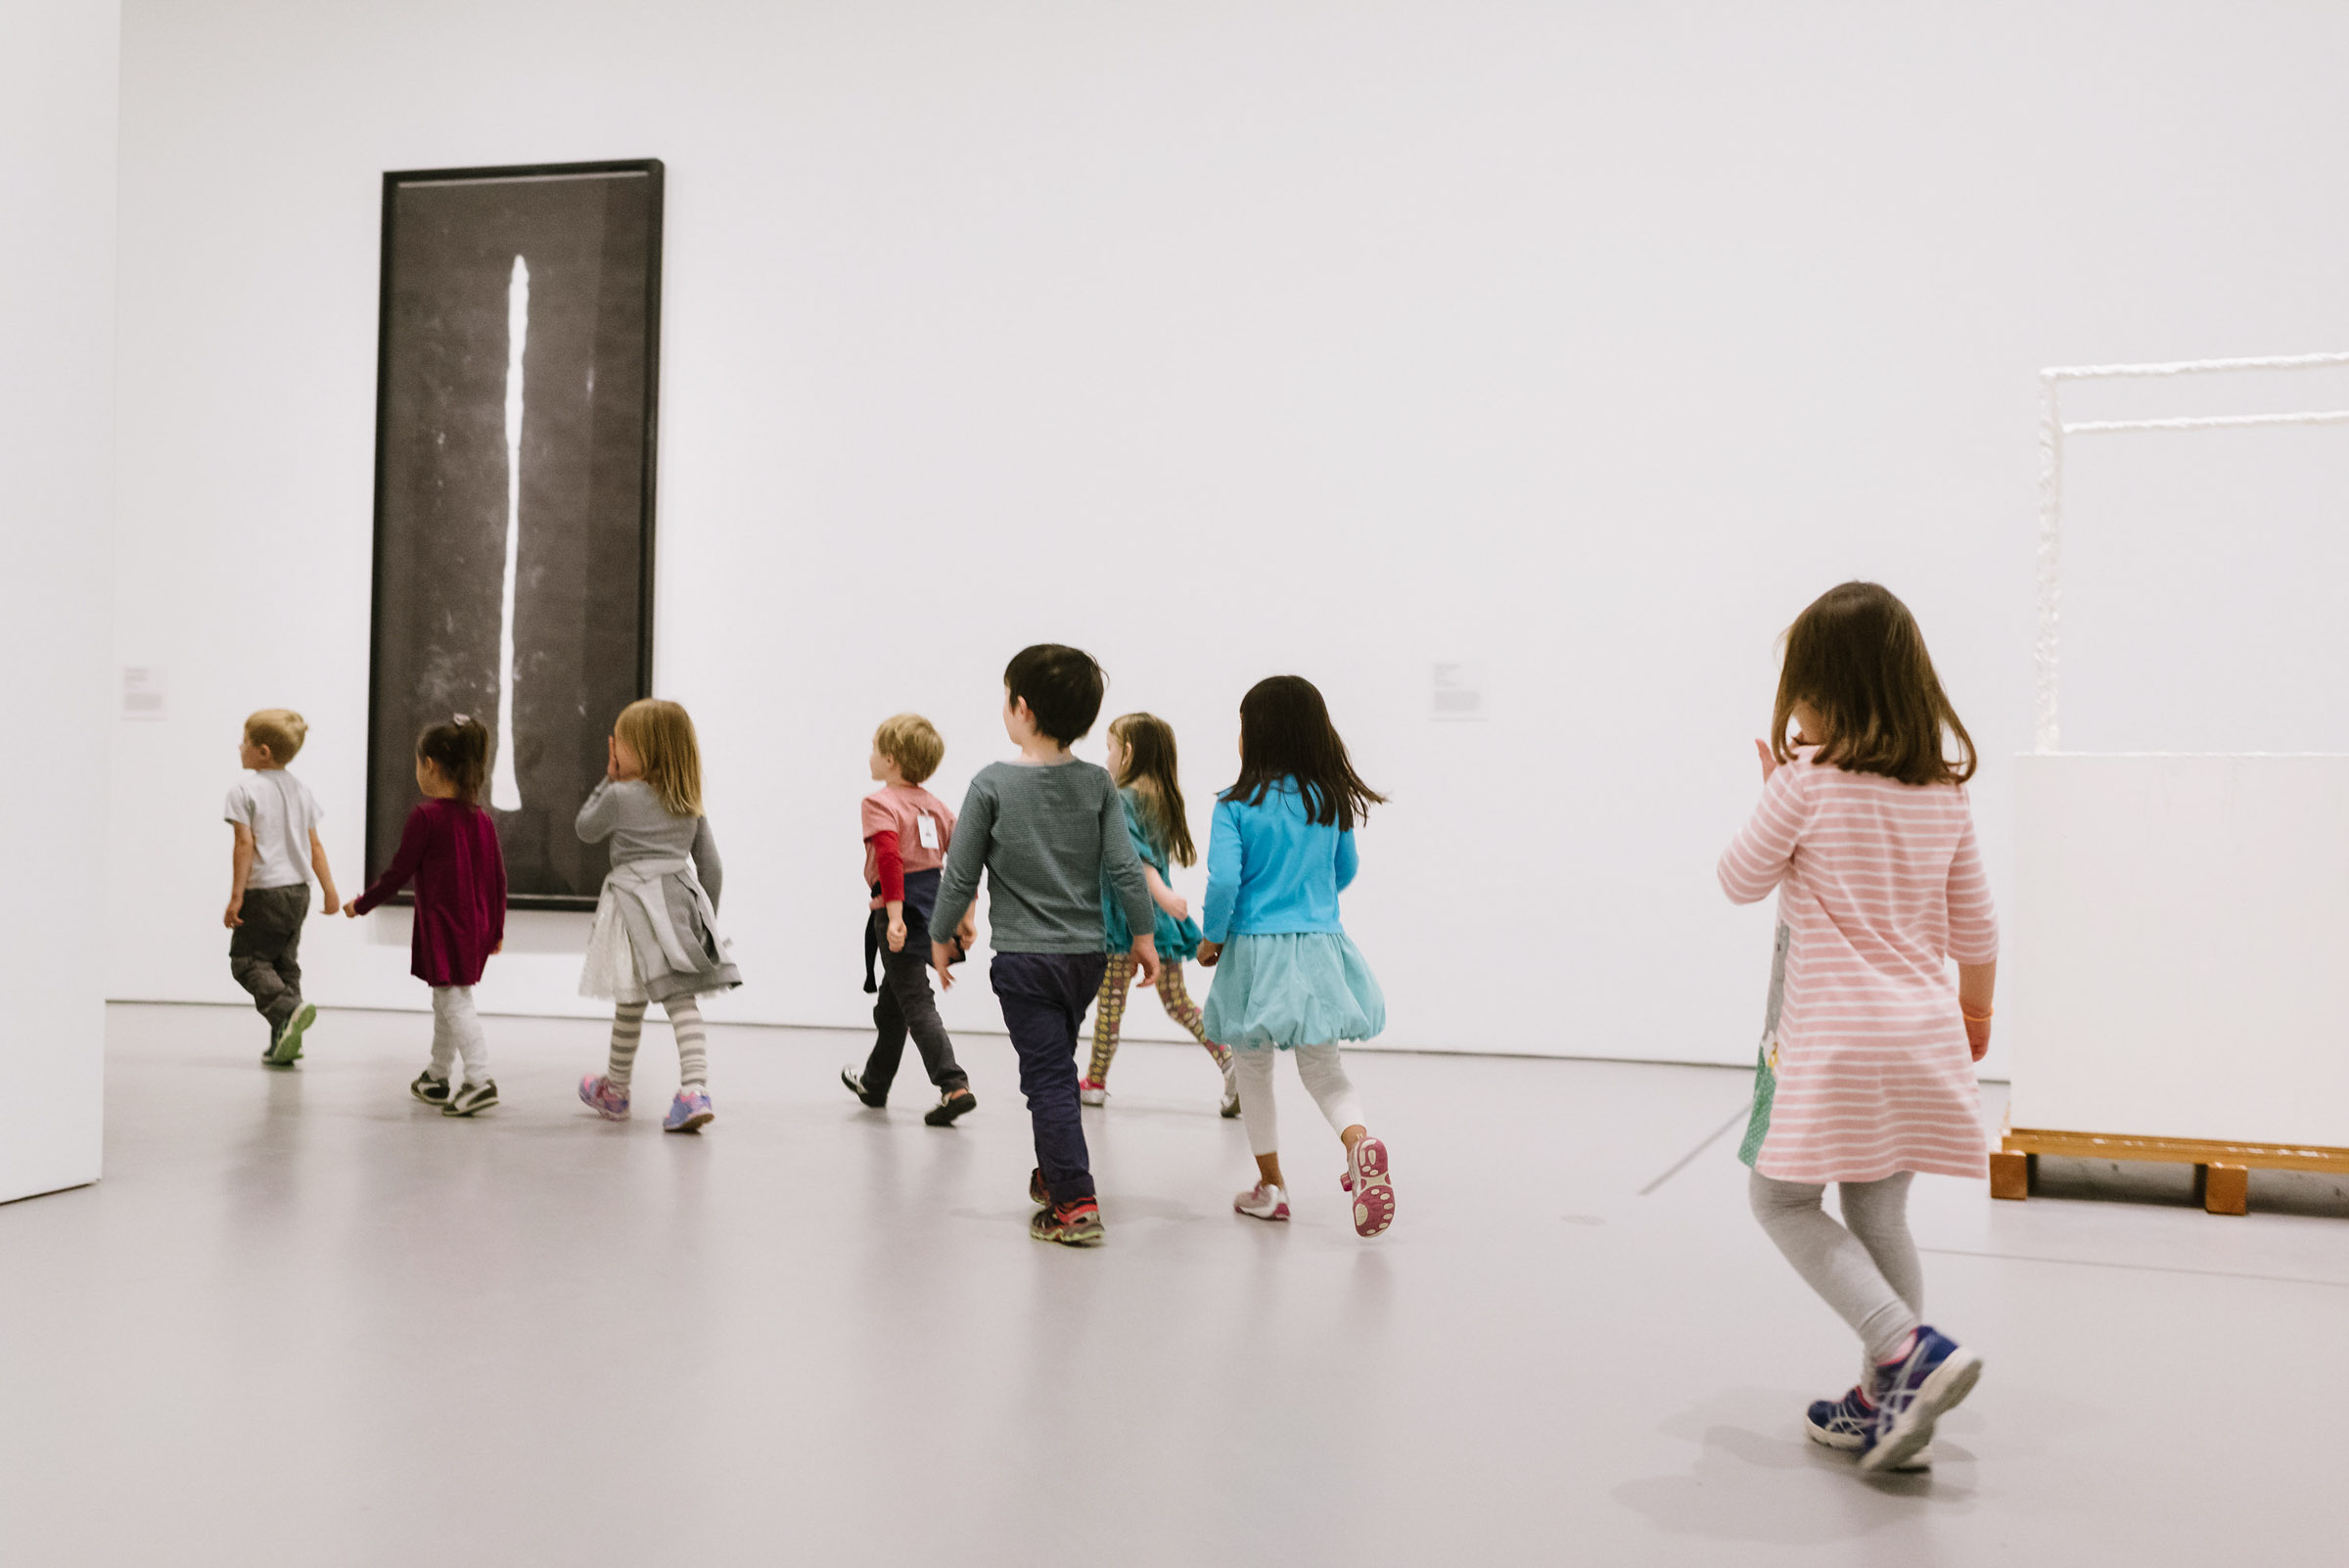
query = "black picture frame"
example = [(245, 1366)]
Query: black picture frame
[(441, 228)]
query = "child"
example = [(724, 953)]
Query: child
[(1047, 830), (1866, 1073), (449, 846), (906, 833), (1280, 851), (1141, 759), (655, 926), (275, 821)]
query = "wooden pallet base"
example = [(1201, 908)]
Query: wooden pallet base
[(2222, 1171)]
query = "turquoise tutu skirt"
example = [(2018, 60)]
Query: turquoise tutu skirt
[(1306, 989)]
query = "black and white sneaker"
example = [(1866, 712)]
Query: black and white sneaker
[(430, 1087), (472, 1099), (950, 1106), (855, 1083)]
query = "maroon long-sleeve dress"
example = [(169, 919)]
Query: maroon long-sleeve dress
[(451, 851)]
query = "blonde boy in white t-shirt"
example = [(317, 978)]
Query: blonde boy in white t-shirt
[(277, 848)]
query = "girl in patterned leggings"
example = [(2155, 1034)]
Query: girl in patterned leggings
[(1141, 759)]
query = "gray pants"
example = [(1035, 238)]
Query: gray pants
[(1869, 1272), (264, 953), (905, 1006)]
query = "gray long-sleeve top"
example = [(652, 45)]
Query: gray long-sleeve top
[(1049, 837), (641, 828)]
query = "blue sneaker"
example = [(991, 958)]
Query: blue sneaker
[(1849, 1424), (689, 1112), (1933, 1379)]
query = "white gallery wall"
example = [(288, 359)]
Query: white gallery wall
[(57, 74), (1574, 347)]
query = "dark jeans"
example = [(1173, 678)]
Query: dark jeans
[(906, 1006), (1044, 995), (263, 953)]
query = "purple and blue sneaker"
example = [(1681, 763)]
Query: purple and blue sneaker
[(689, 1112), (1849, 1424), (607, 1101), (1931, 1380)]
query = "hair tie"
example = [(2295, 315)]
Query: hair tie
[(463, 718)]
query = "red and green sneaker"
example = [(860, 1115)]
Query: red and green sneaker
[(1072, 1224)]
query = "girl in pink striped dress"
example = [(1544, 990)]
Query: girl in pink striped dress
[(1866, 1073)]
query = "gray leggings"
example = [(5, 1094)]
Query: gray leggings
[(1869, 1272)]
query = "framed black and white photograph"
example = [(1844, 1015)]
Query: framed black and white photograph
[(519, 377)]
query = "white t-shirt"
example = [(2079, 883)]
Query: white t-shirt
[(279, 809)]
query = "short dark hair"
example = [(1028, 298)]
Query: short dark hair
[(460, 749), (1857, 657), (1061, 686)]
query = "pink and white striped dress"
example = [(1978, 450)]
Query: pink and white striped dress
[(1881, 884)]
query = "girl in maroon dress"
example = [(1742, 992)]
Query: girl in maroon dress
[(449, 847)]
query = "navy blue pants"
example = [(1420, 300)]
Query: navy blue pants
[(1044, 997)]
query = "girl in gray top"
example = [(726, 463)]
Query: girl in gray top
[(656, 933)]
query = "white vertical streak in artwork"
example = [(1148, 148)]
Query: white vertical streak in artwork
[(505, 793), (2050, 558)]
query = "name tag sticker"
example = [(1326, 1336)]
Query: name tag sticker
[(926, 829)]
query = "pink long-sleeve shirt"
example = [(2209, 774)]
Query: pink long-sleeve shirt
[(1880, 885)]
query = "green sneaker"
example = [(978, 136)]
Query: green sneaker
[(287, 1048)]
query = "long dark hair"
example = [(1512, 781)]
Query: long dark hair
[(1856, 659), (460, 749), (1285, 733), (1149, 743)]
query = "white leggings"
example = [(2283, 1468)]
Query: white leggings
[(1325, 1079), (457, 1031), (1867, 1268)]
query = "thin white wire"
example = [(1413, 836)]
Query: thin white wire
[(2105, 427), (2188, 367), (2051, 432)]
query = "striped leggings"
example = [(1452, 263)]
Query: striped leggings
[(1108, 1012), (693, 1041)]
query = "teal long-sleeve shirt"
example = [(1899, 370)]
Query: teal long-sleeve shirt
[(1272, 871), (1049, 837)]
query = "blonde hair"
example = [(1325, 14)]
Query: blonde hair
[(280, 729), (1149, 772), (661, 734), (912, 743)]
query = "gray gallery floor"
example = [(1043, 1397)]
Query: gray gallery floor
[(305, 1320)]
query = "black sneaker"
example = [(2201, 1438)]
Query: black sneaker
[(472, 1099), (950, 1106), (855, 1084), (286, 1048), (1072, 1224), (429, 1088)]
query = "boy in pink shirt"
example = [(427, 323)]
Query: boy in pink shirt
[(906, 832)]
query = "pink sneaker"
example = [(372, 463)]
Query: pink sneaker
[(1373, 1190), (1263, 1201), (612, 1104), (1092, 1091)]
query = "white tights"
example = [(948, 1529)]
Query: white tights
[(1325, 1080), (457, 1033)]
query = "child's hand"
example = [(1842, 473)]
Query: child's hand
[(1770, 761), (612, 758), (332, 905), (1175, 905), (500, 947), (234, 916), (967, 933), (1208, 953), (350, 911), (941, 954), (1977, 1037), (897, 936)]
